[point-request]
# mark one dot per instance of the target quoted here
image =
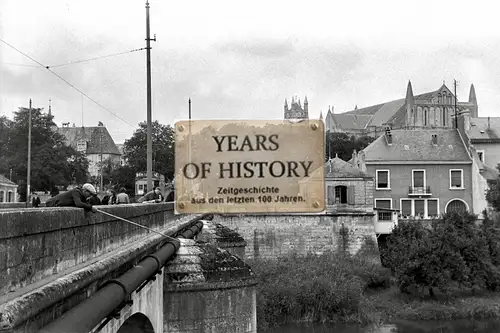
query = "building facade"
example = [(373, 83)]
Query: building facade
[(8, 190), (95, 142), (296, 111), (429, 110), (420, 173)]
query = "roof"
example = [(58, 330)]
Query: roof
[(337, 168), (489, 173), (5, 181), (389, 112), (416, 145), (92, 135), (480, 130)]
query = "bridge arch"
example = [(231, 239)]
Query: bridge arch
[(137, 323)]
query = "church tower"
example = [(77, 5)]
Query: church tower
[(296, 111), (473, 101)]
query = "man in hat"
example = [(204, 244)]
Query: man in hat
[(76, 197)]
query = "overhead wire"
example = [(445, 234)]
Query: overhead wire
[(68, 83), (95, 58)]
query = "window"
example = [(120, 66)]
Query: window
[(341, 194), (383, 180), (384, 203), (1, 196), (9, 197), (480, 154), (432, 208), (331, 195), (141, 187), (406, 207), (456, 179), (456, 205), (419, 208), (425, 116), (418, 178), (81, 145)]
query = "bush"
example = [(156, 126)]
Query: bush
[(316, 288), (453, 253)]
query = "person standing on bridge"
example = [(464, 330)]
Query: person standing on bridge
[(153, 196), (76, 197)]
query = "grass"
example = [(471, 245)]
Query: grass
[(344, 289)]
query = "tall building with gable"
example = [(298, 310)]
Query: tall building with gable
[(93, 141), (296, 111)]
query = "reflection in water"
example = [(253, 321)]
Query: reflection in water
[(456, 326)]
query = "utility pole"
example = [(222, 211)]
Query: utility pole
[(100, 188), (149, 171), (456, 116), (189, 138), (28, 178)]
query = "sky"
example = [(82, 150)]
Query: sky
[(240, 59)]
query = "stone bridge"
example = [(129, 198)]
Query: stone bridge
[(63, 270)]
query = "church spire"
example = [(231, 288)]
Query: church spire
[(320, 115), (50, 108), (473, 101), (409, 94)]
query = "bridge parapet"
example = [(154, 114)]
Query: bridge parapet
[(77, 252), (38, 243)]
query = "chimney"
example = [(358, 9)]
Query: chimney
[(388, 136), (355, 158), (361, 161), (434, 139)]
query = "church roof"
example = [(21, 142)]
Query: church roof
[(92, 135), (338, 168), (416, 145), (389, 112)]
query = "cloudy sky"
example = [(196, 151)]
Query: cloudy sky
[(241, 59)]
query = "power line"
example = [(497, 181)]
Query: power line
[(61, 78), (13, 64), (95, 58)]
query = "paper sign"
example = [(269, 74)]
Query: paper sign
[(227, 166)]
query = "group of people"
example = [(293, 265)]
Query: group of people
[(110, 198), (86, 197)]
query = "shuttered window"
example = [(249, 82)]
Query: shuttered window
[(350, 195), (382, 179), (381, 203), (456, 178), (432, 208), (419, 207), (331, 195), (406, 207), (418, 178)]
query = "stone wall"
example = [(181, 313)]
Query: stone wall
[(271, 236), (36, 243)]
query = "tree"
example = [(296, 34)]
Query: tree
[(52, 161), (108, 166), (452, 252), (163, 140), (123, 176), (343, 145), (493, 194)]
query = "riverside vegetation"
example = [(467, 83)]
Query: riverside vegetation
[(447, 270)]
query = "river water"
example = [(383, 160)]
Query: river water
[(456, 326)]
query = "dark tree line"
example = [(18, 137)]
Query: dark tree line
[(343, 144), (52, 161)]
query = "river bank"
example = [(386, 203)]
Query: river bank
[(330, 288), (390, 304)]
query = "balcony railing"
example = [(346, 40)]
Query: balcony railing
[(424, 190)]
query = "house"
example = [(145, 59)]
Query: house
[(95, 142), (8, 190), (429, 110), (482, 138), (421, 173)]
